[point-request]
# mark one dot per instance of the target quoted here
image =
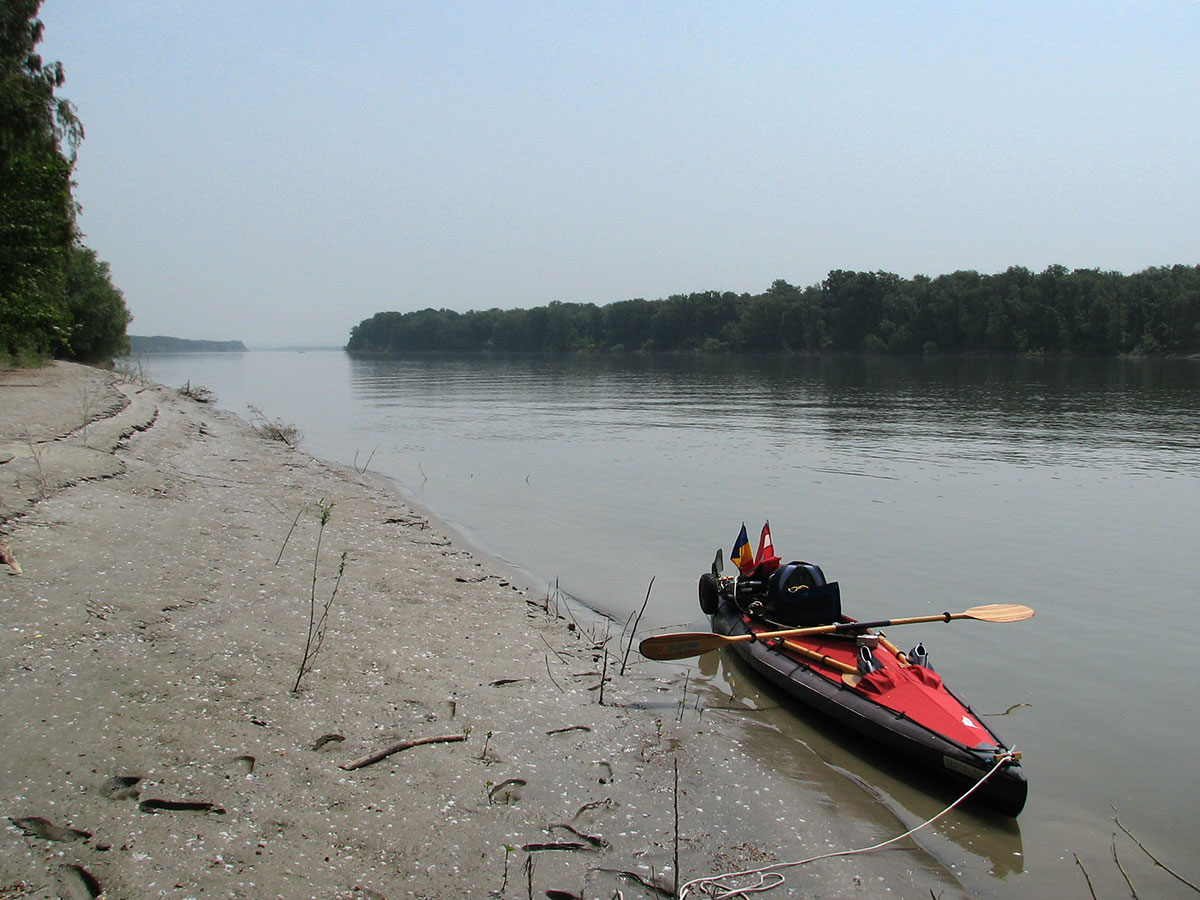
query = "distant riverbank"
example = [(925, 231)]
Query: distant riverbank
[(163, 344)]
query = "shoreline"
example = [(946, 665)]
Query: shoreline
[(153, 747)]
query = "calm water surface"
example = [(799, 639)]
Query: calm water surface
[(920, 485)]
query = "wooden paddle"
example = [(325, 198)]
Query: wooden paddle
[(695, 643), (847, 670), (901, 656)]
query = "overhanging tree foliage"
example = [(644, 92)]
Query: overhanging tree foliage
[(40, 261), (1085, 312), (96, 307)]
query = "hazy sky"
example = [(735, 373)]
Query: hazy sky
[(276, 170)]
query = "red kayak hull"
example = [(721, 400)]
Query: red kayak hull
[(900, 705)]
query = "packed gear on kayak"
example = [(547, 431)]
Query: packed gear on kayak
[(787, 624)]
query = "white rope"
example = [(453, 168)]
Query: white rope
[(715, 886)]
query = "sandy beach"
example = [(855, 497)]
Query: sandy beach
[(152, 745)]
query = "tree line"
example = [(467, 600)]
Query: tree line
[(56, 297), (1086, 312)]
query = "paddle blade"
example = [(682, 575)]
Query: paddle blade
[(681, 645), (999, 612)]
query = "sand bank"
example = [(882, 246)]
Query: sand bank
[(151, 744)]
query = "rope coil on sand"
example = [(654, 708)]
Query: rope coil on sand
[(717, 888)]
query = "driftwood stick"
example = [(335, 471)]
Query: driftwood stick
[(372, 758)]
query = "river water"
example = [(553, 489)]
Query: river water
[(1072, 486)]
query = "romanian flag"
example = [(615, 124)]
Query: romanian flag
[(740, 554), (766, 550)]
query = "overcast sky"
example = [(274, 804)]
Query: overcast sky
[(276, 171)]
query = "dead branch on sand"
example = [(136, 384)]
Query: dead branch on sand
[(378, 755)]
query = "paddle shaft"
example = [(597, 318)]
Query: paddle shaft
[(892, 648), (851, 626), (844, 668), (680, 646)]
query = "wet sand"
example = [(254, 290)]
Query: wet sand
[(151, 743)]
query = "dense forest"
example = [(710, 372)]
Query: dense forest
[(56, 297), (1057, 311)]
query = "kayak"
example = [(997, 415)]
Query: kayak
[(857, 676)]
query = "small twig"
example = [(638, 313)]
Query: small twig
[(633, 631), (561, 658), (551, 674), (683, 699), (1156, 860), (603, 676), (675, 890), (1120, 868), (565, 604), (1079, 863), (289, 536), (544, 846), (600, 644), (1010, 710), (625, 631), (508, 848), (594, 840), (372, 758), (367, 464)]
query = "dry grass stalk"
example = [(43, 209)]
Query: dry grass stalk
[(683, 699), (675, 888), (603, 675), (366, 465), (35, 451), (289, 536), (88, 400), (275, 429), (132, 371), (318, 621), (197, 392), (633, 630)]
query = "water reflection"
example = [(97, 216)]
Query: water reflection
[(1135, 416), (992, 841)]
